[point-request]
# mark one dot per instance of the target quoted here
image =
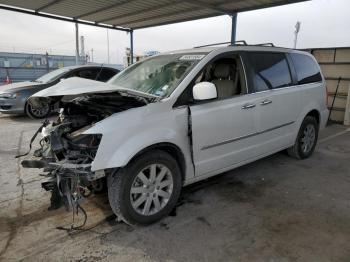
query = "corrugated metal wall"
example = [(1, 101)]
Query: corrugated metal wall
[(25, 66), (335, 64)]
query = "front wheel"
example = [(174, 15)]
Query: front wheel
[(147, 189), (306, 140), (37, 113)]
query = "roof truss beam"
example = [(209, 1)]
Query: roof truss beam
[(66, 19), (119, 4), (260, 6), (200, 4), (47, 5), (189, 10), (127, 18), (139, 11), (211, 6)]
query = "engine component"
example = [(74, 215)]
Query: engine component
[(66, 153)]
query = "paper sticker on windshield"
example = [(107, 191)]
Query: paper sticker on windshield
[(191, 57)]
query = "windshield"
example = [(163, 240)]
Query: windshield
[(53, 75), (158, 75)]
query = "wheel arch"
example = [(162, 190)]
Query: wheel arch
[(171, 149), (316, 114)]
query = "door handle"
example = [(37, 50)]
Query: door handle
[(247, 106), (265, 102)]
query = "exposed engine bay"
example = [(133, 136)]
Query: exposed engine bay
[(65, 153)]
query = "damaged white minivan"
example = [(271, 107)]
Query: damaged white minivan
[(174, 119)]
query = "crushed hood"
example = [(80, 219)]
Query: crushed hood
[(76, 86), (17, 86)]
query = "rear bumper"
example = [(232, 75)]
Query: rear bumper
[(324, 118)]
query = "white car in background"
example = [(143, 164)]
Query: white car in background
[(177, 118)]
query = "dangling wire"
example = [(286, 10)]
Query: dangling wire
[(76, 206), (72, 227)]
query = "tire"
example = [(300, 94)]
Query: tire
[(98, 186), (125, 186), (37, 114), (303, 148)]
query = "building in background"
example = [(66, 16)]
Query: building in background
[(17, 67), (127, 57)]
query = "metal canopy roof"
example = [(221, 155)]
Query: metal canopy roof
[(128, 15)]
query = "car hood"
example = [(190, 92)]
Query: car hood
[(76, 86), (18, 86)]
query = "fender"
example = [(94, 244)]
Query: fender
[(312, 99), (127, 133)]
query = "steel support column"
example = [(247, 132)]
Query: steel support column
[(131, 47), (76, 44), (233, 27)]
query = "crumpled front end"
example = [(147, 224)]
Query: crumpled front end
[(66, 158), (66, 153)]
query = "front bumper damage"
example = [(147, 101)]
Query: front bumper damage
[(66, 161), (67, 152)]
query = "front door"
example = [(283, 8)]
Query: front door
[(223, 133)]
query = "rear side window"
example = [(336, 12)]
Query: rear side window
[(269, 70), (105, 74), (89, 73), (306, 68)]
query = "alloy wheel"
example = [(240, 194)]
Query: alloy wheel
[(39, 112), (151, 189), (308, 138)]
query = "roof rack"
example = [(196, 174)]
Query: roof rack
[(240, 42), (265, 44)]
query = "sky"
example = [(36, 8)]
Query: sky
[(324, 23)]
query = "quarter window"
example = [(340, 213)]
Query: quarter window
[(270, 70), (105, 74), (306, 68)]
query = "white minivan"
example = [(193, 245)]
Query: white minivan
[(174, 119)]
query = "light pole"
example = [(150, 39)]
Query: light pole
[(107, 46), (233, 28), (296, 32), (76, 44)]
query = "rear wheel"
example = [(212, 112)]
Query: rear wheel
[(147, 189), (306, 140), (37, 113)]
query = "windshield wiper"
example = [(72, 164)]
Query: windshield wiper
[(147, 98)]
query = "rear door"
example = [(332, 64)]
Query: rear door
[(278, 105)]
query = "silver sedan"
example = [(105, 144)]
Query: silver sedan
[(13, 97)]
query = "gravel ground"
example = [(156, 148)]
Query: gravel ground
[(276, 209)]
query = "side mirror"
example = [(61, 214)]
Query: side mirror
[(204, 91)]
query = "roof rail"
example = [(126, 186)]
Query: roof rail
[(265, 44), (240, 42)]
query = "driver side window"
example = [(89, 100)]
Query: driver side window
[(226, 73)]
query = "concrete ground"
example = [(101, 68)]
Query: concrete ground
[(276, 209)]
